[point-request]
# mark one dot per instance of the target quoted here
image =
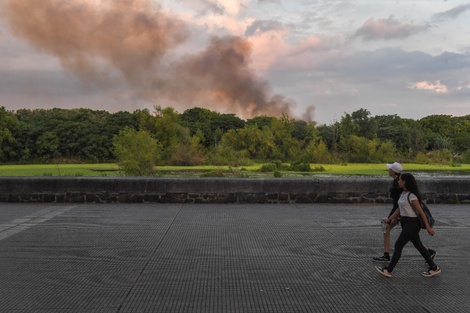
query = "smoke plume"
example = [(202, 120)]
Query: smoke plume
[(221, 75), (133, 37)]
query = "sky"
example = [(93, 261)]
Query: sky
[(312, 60)]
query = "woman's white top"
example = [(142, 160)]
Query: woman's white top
[(406, 208)]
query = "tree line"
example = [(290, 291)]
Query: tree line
[(201, 136)]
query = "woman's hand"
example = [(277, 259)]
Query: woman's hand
[(431, 231)]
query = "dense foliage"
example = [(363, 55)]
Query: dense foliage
[(200, 136)]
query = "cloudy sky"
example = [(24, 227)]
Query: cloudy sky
[(310, 59)]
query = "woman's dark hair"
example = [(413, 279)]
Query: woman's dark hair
[(411, 184)]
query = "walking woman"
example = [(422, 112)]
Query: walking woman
[(409, 207), (394, 171)]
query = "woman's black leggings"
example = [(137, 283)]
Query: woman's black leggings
[(410, 232)]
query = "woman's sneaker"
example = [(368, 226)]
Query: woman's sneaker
[(383, 258), (432, 272), (383, 271)]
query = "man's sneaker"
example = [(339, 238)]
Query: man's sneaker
[(383, 258), (433, 253), (383, 271), (432, 272)]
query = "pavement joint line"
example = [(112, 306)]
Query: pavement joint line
[(126, 297), (20, 224)]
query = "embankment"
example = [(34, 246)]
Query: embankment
[(221, 190)]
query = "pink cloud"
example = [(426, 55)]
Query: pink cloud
[(437, 87)]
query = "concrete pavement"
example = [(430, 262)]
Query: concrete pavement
[(222, 258)]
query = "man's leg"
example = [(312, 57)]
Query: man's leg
[(386, 256), (389, 228)]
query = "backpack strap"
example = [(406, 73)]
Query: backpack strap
[(416, 212)]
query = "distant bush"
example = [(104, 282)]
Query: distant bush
[(434, 157), (137, 152), (238, 173), (465, 157), (269, 167), (319, 169), (213, 174), (300, 167)]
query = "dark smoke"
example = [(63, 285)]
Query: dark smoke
[(133, 36), (221, 75)]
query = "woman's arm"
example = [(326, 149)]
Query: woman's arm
[(420, 211)]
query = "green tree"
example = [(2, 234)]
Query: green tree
[(200, 135), (47, 145), (137, 152), (189, 151), (211, 124), (319, 152), (229, 151), (416, 137), (261, 121), (348, 127), (168, 132), (10, 128), (461, 133), (329, 134), (243, 139), (366, 126), (386, 151), (465, 157), (84, 134), (289, 148), (437, 129), (437, 124), (267, 149), (393, 128), (200, 119), (356, 149)]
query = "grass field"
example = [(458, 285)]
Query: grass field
[(112, 170)]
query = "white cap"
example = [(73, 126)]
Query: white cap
[(396, 167)]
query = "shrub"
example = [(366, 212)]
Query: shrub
[(465, 157), (277, 174), (217, 173), (434, 157), (300, 167), (319, 169), (136, 151), (269, 167)]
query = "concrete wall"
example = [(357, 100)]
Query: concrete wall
[(221, 190)]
